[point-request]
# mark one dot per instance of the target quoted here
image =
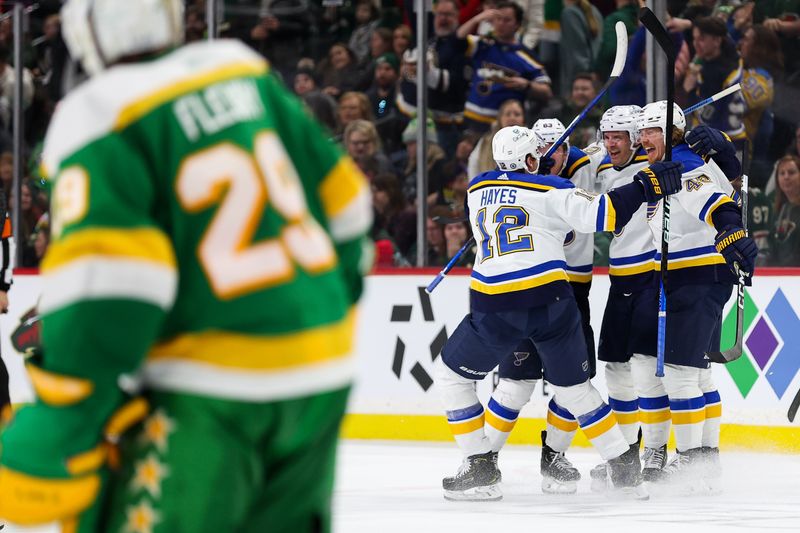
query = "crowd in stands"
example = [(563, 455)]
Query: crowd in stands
[(490, 64)]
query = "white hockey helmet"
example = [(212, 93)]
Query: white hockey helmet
[(99, 33), (511, 146), (622, 118), (654, 115), (549, 130)]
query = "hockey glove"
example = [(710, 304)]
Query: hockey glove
[(739, 251), (545, 165), (660, 179), (53, 467), (27, 337), (706, 141)]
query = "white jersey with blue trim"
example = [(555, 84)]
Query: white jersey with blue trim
[(631, 252), (597, 153), (579, 247), (692, 257), (520, 222)]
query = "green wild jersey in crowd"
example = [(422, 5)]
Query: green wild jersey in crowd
[(759, 222), (205, 232)]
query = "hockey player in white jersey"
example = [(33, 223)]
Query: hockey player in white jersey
[(574, 164), (519, 289), (628, 335), (519, 374), (705, 233), (559, 476)]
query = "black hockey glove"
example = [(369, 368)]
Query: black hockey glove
[(739, 251), (545, 165), (704, 141), (660, 179)]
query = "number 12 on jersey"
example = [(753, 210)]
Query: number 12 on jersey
[(505, 221)]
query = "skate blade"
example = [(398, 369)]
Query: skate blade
[(601, 485), (601, 481), (639, 492), (553, 486), (488, 493)]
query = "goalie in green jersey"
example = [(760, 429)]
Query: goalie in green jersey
[(198, 296)]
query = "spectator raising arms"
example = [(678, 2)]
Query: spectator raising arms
[(447, 85), (782, 17), (503, 68), (716, 65)]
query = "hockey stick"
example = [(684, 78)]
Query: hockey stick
[(793, 407), (449, 266), (735, 352), (711, 99), (660, 34), (619, 65)]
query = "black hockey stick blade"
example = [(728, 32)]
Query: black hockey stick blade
[(726, 356), (734, 352), (658, 31), (793, 408)]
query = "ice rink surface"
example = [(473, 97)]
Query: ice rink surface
[(390, 487)]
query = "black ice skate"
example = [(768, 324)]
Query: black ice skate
[(477, 479), (495, 458), (654, 460), (601, 478), (558, 474), (601, 474), (685, 471), (626, 474), (711, 469)]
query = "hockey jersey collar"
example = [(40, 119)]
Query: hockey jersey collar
[(640, 156), (518, 179)]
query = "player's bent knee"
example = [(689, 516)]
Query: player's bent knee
[(514, 393), (578, 399)]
